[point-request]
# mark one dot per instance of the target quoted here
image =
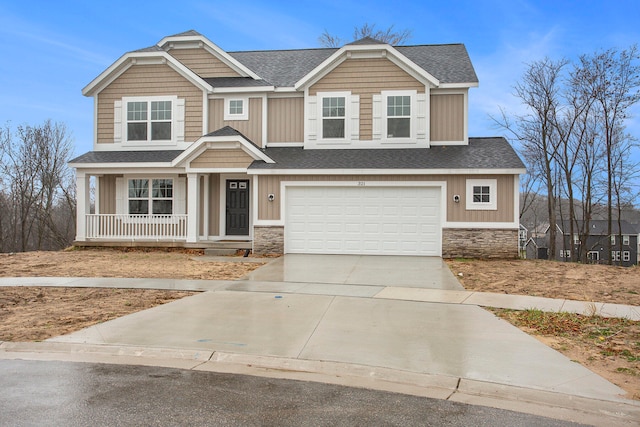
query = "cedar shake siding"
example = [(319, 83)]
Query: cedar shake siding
[(150, 80), (285, 119), (203, 63), (366, 77), (456, 185)]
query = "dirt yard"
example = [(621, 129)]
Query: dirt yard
[(609, 347), (597, 283)]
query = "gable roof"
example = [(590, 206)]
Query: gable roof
[(600, 227), (481, 154), (446, 64)]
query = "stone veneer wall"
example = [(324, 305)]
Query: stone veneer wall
[(479, 243), (268, 240)]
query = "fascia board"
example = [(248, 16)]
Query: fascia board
[(458, 85), (251, 89), (385, 171), (118, 165), (411, 67), (214, 50), (325, 66), (127, 60)]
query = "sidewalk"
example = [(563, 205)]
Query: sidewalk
[(428, 342), (483, 299)]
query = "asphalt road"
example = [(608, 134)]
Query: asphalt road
[(85, 394)]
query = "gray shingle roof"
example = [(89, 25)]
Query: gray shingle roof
[(159, 156), (481, 153), (282, 68), (449, 63), (600, 227), (235, 82)]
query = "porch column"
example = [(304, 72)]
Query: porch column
[(82, 206), (193, 213)]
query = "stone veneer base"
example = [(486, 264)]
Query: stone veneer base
[(268, 240), (479, 243)]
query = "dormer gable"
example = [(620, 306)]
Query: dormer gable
[(367, 48), (203, 56)]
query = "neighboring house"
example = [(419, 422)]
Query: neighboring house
[(357, 150), (536, 248), (623, 252)]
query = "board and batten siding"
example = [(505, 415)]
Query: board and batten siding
[(366, 77), (447, 117), (203, 63), (456, 184), (251, 128), (107, 194), (285, 119), (150, 80), (222, 158)]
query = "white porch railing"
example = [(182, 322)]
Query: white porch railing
[(136, 227)]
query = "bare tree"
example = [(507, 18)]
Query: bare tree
[(536, 130), (613, 80), (388, 35), (38, 182)]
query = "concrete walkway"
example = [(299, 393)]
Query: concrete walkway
[(331, 321)]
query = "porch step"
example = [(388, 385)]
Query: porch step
[(219, 252)]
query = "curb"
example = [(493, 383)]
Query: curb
[(614, 412)]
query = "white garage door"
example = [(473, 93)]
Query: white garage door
[(363, 220)]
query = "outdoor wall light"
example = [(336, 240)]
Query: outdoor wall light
[(271, 197), (456, 198)]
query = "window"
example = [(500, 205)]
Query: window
[(593, 256), (613, 239), (565, 253), (626, 256), (576, 239), (615, 255), (149, 120), (625, 240), (236, 109), (333, 117), (155, 201), (481, 194), (398, 116)]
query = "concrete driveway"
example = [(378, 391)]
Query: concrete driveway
[(364, 328)]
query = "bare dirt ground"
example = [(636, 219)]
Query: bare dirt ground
[(609, 347), (598, 283)]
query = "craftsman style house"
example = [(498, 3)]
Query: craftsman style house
[(358, 150)]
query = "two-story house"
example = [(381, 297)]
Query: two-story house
[(358, 150)]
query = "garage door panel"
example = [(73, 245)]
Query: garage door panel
[(363, 220)]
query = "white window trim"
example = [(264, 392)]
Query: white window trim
[(245, 108), (148, 100), (413, 116), (347, 116), (179, 194), (626, 256), (493, 194), (590, 255), (625, 240)]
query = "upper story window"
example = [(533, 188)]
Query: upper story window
[(151, 119), (236, 109), (625, 240), (398, 116), (157, 200), (482, 194), (333, 117)]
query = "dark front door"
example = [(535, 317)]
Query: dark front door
[(237, 207)]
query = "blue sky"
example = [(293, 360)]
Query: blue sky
[(51, 49)]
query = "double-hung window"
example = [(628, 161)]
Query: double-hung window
[(333, 117), (398, 116), (149, 120), (150, 196)]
